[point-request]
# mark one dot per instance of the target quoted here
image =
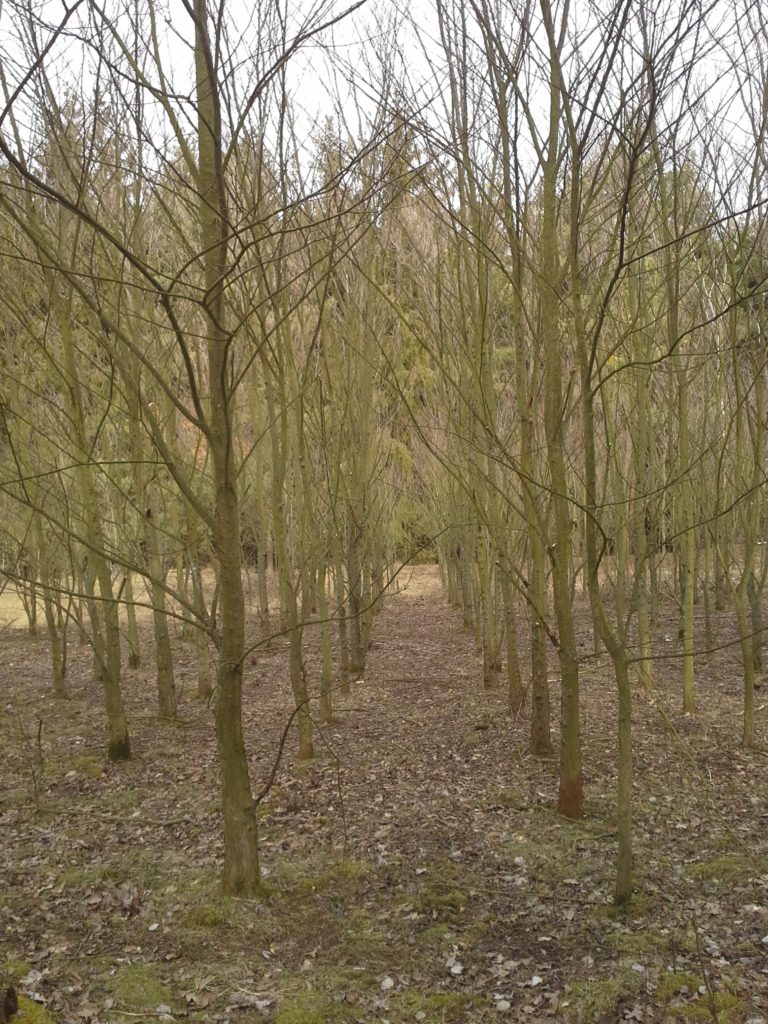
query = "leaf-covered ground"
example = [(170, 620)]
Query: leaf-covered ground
[(417, 868)]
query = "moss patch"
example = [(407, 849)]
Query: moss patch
[(437, 1007), (676, 983), (441, 903), (12, 971), (587, 1001), (135, 866), (206, 915), (728, 1008), (731, 867), (139, 987), (92, 767), (682, 991), (639, 944), (320, 874), (312, 1007), (362, 940), (437, 934), (31, 1013)]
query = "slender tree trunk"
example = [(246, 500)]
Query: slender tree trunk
[(514, 675), (357, 651), (688, 551), (134, 650), (541, 738), (241, 852), (341, 616), (326, 672), (623, 890), (745, 637), (756, 614), (165, 681), (50, 608), (204, 683), (571, 783), (104, 613)]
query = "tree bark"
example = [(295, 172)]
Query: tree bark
[(241, 853)]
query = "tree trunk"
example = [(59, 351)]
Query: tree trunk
[(326, 672), (241, 854), (341, 616), (571, 784), (134, 650), (514, 675)]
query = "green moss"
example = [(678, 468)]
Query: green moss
[(122, 800), (340, 873), (507, 798), (638, 944), (683, 987), (320, 874), (312, 1007), (641, 905), (436, 934), (139, 987), (672, 983), (443, 904), (90, 766), (438, 1007), (728, 1008), (136, 866), (82, 876), (473, 738), (12, 971), (361, 940), (207, 915), (31, 1013), (731, 867), (588, 1001)]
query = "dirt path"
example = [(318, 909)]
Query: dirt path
[(418, 870)]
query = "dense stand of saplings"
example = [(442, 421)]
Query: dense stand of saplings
[(519, 328)]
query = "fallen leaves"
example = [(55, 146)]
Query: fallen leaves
[(470, 887)]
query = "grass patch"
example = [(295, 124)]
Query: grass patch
[(31, 1012), (641, 905), (436, 1007), (362, 941), (312, 1007), (139, 987), (136, 866), (588, 1001), (676, 983), (12, 971), (92, 767), (444, 893), (206, 915), (730, 867), (507, 798), (436, 934), (728, 1008), (121, 800), (441, 903), (680, 991), (320, 874), (639, 944)]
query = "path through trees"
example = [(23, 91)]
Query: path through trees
[(417, 865)]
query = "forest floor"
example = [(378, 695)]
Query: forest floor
[(418, 870)]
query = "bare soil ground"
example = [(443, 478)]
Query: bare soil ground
[(417, 868)]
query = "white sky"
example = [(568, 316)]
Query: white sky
[(376, 38)]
